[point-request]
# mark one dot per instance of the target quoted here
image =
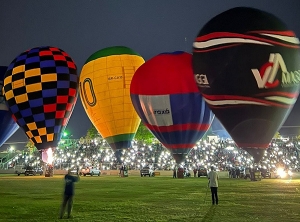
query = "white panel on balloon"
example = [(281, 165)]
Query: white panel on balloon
[(157, 109)]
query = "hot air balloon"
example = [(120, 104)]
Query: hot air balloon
[(165, 96), (40, 87), (291, 126), (218, 129), (104, 91), (7, 124), (249, 74)]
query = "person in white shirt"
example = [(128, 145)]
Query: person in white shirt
[(213, 178)]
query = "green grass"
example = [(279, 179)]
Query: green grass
[(110, 198)]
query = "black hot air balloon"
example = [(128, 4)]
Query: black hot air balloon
[(246, 63)]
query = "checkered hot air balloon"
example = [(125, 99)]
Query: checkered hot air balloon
[(165, 96), (40, 87)]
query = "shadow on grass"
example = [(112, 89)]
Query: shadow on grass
[(209, 216)]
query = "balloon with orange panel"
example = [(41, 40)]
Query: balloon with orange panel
[(104, 91), (40, 87)]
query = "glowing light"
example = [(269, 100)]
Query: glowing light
[(47, 156)]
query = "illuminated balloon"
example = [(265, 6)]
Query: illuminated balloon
[(247, 66), (291, 126), (165, 96), (40, 87), (7, 124), (104, 91)]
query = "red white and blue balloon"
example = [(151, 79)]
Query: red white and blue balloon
[(165, 96)]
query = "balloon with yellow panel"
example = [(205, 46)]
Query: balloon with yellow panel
[(105, 94)]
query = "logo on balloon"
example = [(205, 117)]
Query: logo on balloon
[(114, 77), (265, 77), (201, 79), (87, 90), (159, 112)]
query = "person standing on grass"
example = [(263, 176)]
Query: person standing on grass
[(213, 178), (68, 194), (174, 172)]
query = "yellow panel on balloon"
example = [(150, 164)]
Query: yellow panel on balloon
[(105, 93)]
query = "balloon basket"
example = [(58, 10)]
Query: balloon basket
[(49, 171)]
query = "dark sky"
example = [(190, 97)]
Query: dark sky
[(81, 27)]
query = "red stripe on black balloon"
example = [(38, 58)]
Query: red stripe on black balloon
[(220, 35), (217, 48), (283, 33), (286, 94)]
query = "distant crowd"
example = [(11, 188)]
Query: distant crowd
[(222, 154)]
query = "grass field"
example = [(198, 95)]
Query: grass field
[(110, 198)]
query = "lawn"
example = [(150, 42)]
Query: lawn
[(110, 198)]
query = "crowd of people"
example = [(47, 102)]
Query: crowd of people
[(222, 154)]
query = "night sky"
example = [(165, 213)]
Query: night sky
[(83, 27)]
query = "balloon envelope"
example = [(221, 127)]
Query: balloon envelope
[(248, 72), (7, 124), (165, 96), (291, 126), (218, 129), (104, 91), (40, 88)]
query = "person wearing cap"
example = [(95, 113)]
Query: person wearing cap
[(213, 178), (68, 193)]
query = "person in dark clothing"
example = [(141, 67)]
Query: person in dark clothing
[(247, 173), (237, 172), (174, 172), (252, 175), (195, 172), (68, 194)]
